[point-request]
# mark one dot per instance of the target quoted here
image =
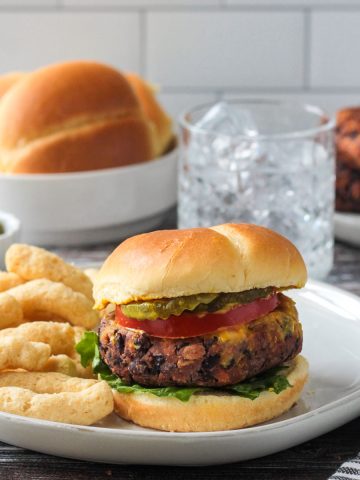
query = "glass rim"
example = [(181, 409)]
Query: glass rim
[(328, 125)]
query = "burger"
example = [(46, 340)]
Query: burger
[(196, 331)]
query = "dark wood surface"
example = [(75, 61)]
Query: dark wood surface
[(313, 460)]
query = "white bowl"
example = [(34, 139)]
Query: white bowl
[(347, 227), (11, 226), (89, 207)]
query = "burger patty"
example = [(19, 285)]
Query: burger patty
[(213, 360)]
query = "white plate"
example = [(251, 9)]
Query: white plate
[(347, 227), (81, 208), (331, 320)]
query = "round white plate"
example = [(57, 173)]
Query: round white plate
[(87, 207), (331, 321), (347, 227)]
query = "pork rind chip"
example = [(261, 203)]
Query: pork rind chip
[(78, 333), (55, 397), (9, 280), (11, 313), (44, 299), (61, 364), (69, 366), (32, 263), (17, 353), (60, 336)]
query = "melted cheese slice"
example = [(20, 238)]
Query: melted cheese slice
[(233, 334)]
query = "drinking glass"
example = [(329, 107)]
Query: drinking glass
[(265, 162)]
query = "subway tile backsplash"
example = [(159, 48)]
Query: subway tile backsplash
[(335, 48), (177, 103), (198, 51), (221, 49), (33, 39), (29, 3)]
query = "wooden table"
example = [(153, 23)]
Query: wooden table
[(312, 460)]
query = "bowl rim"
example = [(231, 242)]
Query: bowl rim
[(153, 163), (10, 223)]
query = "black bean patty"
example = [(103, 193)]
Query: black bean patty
[(211, 360)]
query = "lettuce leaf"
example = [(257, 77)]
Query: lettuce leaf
[(272, 380), (87, 347)]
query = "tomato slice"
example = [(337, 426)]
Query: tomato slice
[(192, 325)]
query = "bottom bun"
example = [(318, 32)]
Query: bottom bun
[(207, 412)]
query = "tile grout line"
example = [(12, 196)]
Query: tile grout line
[(221, 6)]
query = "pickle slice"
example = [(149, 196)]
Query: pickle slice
[(201, 303), (165, 308), (225, 300)]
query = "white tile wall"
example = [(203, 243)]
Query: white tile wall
[(225, 49), (38, 38), (335, 48), (28, 3), (198, 50), (177, 103)]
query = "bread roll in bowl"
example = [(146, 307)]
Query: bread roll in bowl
[(73, 116), (152, 109), (174, 263), (8, 80)]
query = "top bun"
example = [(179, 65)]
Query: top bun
[(73, 116), (173, 263)]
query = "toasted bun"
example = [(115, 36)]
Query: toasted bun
[(73, 116), (8, 80), (153, 110), (173, 263), (206, 413)]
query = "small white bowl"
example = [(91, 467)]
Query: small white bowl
[(90, 207), (11, 226)]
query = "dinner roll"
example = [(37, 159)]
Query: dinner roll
[(162, 122), (8, 80), (73, 116)]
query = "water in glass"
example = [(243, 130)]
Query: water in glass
[(230, 172)]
